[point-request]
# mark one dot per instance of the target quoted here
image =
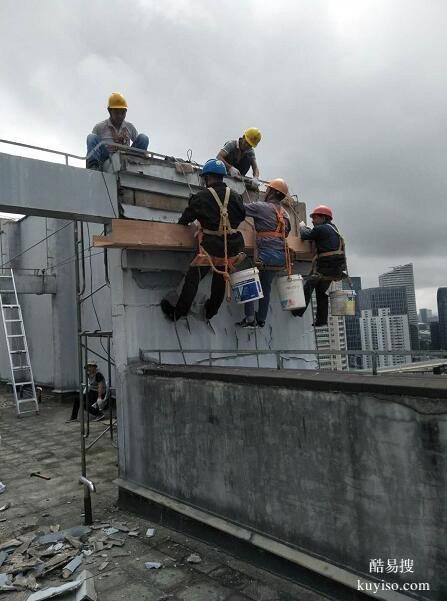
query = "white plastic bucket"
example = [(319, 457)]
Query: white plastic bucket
[(342, 302), (245, 285), (291, 292)]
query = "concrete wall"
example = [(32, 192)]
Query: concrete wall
[(347, 468), (50, 320)]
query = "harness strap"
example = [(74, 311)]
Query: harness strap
[(279, 232), (330, 253), (224, 224)]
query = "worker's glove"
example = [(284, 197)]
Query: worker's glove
[(302, 224), (234, 172), (255, 181)]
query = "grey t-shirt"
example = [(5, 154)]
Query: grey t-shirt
[(234, 155), (266, 220), (108, 133)]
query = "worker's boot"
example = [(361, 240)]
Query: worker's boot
[(247, 324)]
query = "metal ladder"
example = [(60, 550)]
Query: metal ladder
[(17, 345)]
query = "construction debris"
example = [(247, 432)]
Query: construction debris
[(27, 582), (110, 531), (152, 565), (55, 591), (5, 507), (71, 567), (2, 487), (39, 475), (194, 558), (150, 532), (103, 566), (10, 544), (86, 591)]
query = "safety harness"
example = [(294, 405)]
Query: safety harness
[(279, 232), (330, 253), (204, 259)]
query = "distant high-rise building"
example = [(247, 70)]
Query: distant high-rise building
[(352, 325), (435, 337), (425, 315), (394, 298), (442, 317), (402, 275), (333, 336), (386, 332)]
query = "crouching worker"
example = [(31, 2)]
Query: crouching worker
[(329, 262), (272, 227), (114, 130), (219, 211), (97, 398)]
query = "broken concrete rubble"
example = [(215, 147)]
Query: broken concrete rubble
[(55, 591), (72, 566)]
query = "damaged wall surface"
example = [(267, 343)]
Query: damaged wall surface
[(343, 467)]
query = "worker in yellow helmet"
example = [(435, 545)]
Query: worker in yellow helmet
[(114, 130), (239, 155)]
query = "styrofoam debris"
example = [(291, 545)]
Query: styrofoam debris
[(152, 565), (194, 558)]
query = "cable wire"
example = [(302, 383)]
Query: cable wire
[(36, 244)]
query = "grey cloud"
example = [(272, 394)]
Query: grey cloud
[(350, 97)]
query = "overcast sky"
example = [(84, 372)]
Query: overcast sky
[(350, 96)]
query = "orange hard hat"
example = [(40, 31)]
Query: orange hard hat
[(280, 185), (322, 210)]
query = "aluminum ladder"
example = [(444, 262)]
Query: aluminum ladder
[(17, 345)]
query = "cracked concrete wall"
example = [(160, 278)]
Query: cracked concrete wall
[(138, 286), (344, 476)]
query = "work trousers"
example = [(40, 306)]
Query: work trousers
[(266, 278), (101, 153), (189, 291), (320, 286), (92, 398)]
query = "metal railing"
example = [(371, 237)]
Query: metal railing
[(155, 355), (67, 155)]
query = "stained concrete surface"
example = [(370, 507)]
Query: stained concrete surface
[(48, 444)]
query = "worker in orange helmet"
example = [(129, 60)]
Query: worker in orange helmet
[(239, 155), (329, 263), (272, 225)]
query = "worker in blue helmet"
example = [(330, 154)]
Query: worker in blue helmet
[(211, 207)]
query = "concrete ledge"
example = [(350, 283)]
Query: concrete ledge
[(168, 506), (428, 387)]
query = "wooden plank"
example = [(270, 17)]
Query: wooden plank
[(151, 235)]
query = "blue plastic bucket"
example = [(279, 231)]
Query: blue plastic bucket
[(245, 285)]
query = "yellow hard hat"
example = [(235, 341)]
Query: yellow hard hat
[(117, 101), (252, 135)]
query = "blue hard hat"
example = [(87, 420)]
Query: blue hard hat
[(214, 166)]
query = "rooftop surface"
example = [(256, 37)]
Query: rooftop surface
[(47, 444)]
